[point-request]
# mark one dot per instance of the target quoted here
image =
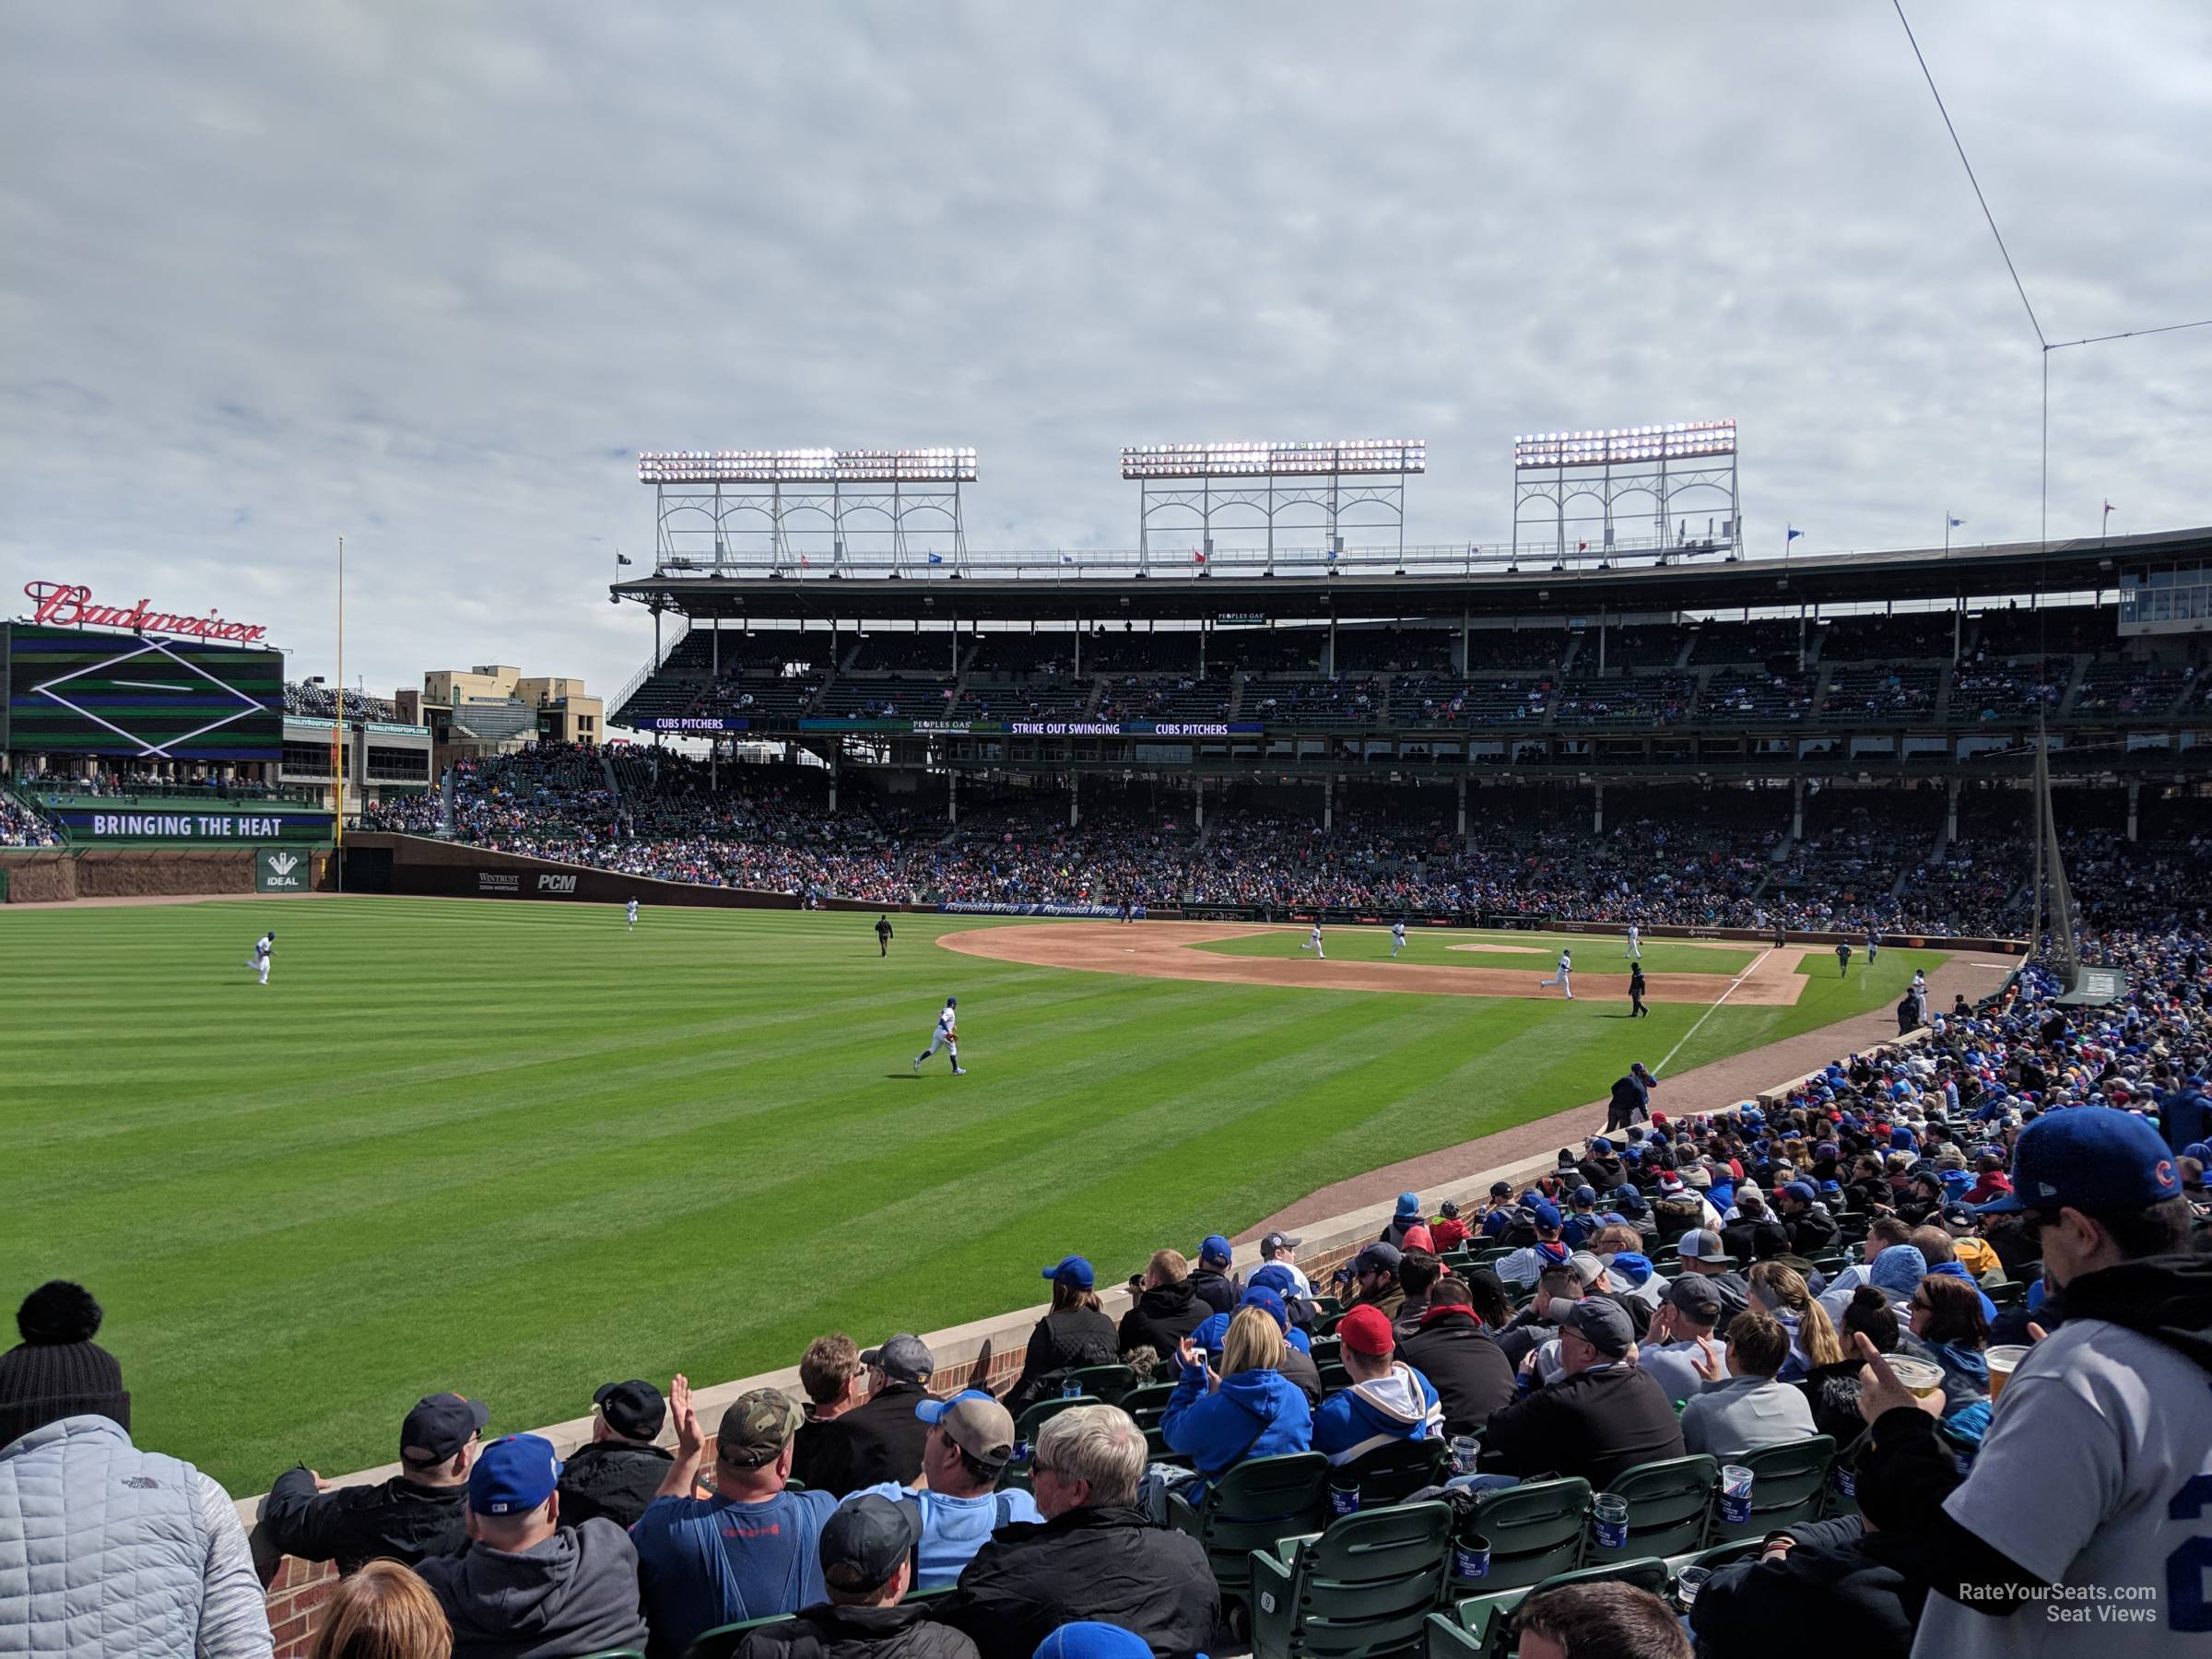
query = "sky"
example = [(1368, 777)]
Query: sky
[(429, 277)]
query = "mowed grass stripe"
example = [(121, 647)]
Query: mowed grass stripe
[(514, 1149)]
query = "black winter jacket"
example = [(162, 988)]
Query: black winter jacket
[(1839, 1594), (1107, 1564), (883, 1439), (613, 1478), (1594, 1424), (394, 1520), (1471, 1374), (1163, 1316), (1060, 1343), (1812, 1231), (834, 1632), (1215, 1289)]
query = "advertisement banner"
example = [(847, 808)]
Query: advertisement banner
[(281, 870), (690, 722), (117, 826)]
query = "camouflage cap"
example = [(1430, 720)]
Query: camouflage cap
[(757, 1428)]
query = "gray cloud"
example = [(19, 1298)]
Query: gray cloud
[(426, 279)]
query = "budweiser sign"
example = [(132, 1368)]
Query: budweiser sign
[(70, 605)]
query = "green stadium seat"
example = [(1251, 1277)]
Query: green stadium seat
[(724, 1639), (1045, 1411), (2006, 1293), (1334, 1377), (1788, 1485), (1719, 1555), (1362, 1588), (1254, 1505), (1326, 1348), (1534, 1530), (1111, 1383), (1670, 1503), (1152, 1396), (1393, 1472), (1488, 1620)]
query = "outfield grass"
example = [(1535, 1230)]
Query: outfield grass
[(511, 1149), (1432, 947)]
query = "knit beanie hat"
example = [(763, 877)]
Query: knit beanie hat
[(58, 1371)]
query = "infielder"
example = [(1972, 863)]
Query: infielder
[(1397, 939), (1564, 978), (1874, 945), (1313, 944), (633, 915), (945, 1037), (1635, 943), (265, 949)]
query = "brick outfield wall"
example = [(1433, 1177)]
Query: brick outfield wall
[(985, 1353)]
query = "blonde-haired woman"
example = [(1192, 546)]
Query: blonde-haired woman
[(1249, 1409), (384, 1612), (1783, 1291)]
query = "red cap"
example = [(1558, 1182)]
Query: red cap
[(1366, 1330)]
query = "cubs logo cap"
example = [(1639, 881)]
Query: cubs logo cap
[(515, 1474), (2088, 1158)]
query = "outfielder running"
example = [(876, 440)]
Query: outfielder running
[(946, 1037), (264, 950), (633, 915), (1313, 944), (1397, 939), (1635, 943), (1564, 978)]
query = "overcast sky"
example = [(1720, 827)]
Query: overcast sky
[(430, 276)]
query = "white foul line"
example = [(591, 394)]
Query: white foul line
[(1723, 996)]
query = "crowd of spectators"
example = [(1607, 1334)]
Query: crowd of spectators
[(22, 825), (1868, 859), (1981, 1263)]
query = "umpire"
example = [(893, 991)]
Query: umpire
[(1636, 1008), (883, 935)]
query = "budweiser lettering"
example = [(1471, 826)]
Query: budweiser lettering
[(70, 605)]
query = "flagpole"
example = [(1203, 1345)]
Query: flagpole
[(1947, 532), (337, 735)]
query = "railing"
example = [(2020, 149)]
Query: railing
[(1185, 563), (653, 666)]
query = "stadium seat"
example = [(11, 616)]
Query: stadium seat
[(1486, 1621), (1721, 1555), (724, 1639), (1152, 1396), (1669, 1504), (1334, 1377), (1787, 1486), (1534, 1530), (1045, 1411), (1112, 1383), (1254, 1505), (1361, 1588), (1393, 1472), (1326, 1348)]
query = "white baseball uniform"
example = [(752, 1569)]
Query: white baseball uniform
[(1314, 942), (1563, 977), (264, 950), (1635, 943), (1397, 937), (946, 1036), (633, 912)]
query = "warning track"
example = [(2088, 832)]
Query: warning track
[(1168, 950)]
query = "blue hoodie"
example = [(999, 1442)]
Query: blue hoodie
[(1401, 1405), (1252, 1414), (1215, 1332), (1958, 1270)]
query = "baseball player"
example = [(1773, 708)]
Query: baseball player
[(1398, 938), (264, 950), (946, 1037), (1564, 977), (1635, 943), (1313, 944), (633, 915), (1874, 945)]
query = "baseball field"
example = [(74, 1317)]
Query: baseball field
[(516, 1150)]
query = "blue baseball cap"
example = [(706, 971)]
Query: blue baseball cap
[(2088, 1158), (1088, 1639), (1214, 1248), (1410, 1203), (1260, 1296), (1546, 1212), (1586, 1195), (1274, 1277), (513, 1476), (1071, 1270), (1801, 1189), (1600, 1144)]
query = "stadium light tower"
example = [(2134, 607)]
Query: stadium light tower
[(1579, 477), (805, 509), (1272, 487)]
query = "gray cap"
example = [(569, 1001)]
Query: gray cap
[(1696, 1296), (1703, 1244), (903, 1358), (1603, 1324), (1587, 1266)]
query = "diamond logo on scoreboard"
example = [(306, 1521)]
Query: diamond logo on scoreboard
[(147, 746)]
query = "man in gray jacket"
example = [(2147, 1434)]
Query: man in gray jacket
[(106, 1550), (1745, 1410), (525, 1586)]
